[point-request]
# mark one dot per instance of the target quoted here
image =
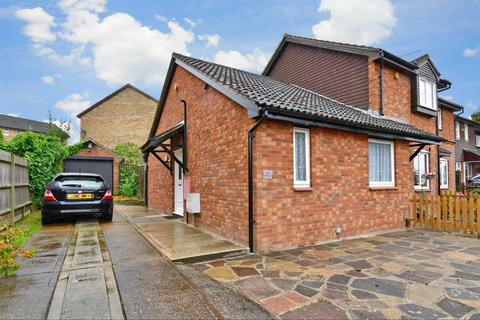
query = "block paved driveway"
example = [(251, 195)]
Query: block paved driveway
[(409, 275)]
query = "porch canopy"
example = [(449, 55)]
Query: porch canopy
[(157, 146), (470, 155)]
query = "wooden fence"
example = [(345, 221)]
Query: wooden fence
[(15, 201), (447, 212)]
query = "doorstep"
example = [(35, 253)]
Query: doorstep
[(178, 241)]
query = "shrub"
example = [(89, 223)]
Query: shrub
[(10, 248), (131, 155)]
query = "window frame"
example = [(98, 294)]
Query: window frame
[(443, 162), (6, 132), (477, 140), (423, 83), (383, 184), (300, 183), (439, 119), (457, 130), (465, 131), (427, 169)]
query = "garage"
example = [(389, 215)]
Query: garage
[(99, 165), (95, 158)]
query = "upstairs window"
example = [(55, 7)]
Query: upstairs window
[(301, 157), (465, 131), (457, 131), (6, 132), (380, 163), (477, 140), (428, 94), (439, 119), (421, 167)]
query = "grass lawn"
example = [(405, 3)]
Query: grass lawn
[(12, 238), (27, 227)]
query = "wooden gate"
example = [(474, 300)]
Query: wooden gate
[(447, 212)]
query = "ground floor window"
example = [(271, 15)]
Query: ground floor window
[(381, 163), (443, 174), (301, 157), (420, 170), (458, 166)]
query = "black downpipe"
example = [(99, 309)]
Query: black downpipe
[(251, 221), (184, 139), (382, 58)]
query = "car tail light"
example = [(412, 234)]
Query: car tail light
[(48, 196), (107, 195)]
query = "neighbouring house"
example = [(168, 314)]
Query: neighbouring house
[(467, 153), (123, 116), (279, 165), (378, 81), (96, 158), (11, 126)]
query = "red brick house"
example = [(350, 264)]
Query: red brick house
[(278, 164), (376, 80)]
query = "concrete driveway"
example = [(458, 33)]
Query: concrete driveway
[(411, 274), (87, 270)]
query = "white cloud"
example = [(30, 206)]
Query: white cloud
[(161, 18), (211, 39), (190, 22), (39, 24), (118, 47), (254, 61), (358, 21), (72, 105), (12, 114), (48, 80), (471, 52)]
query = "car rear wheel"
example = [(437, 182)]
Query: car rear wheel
[(106, 217), (46, 220)]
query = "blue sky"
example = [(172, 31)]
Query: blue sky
[(65, 55)]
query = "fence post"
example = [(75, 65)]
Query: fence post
[(12, 187)]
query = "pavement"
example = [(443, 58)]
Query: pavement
[(89, 270), (414, 274), (177, 240)]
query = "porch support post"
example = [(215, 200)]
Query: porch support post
[(171, 154), (162, 161), (420, 148)]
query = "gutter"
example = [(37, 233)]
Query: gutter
[(251, 220)]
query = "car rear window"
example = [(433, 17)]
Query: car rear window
[(79, 182)]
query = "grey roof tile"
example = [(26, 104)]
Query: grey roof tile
[(23, 124), (283, 97)]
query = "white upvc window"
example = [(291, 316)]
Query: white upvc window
[(457, 130), (465, 131), (301, 157), (443, 174), (477, 140), (458, 166), (381, 165), (6, 132), (420, 170), (439, 119), (428, 94)]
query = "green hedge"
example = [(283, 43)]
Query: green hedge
[(131, 155), (45, 155)]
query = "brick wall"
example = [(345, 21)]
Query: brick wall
[(217, 150), (96, 151), (340, 193), (125, 117), (398, 104)]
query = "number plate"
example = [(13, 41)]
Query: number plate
[(79, 196)]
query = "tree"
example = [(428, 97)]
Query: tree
[(131, 155), (59, 128), (476, 116)]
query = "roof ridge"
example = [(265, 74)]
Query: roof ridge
[(333, 42)]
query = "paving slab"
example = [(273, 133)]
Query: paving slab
[(177, 240)]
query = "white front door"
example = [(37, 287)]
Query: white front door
[(178, 183)]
